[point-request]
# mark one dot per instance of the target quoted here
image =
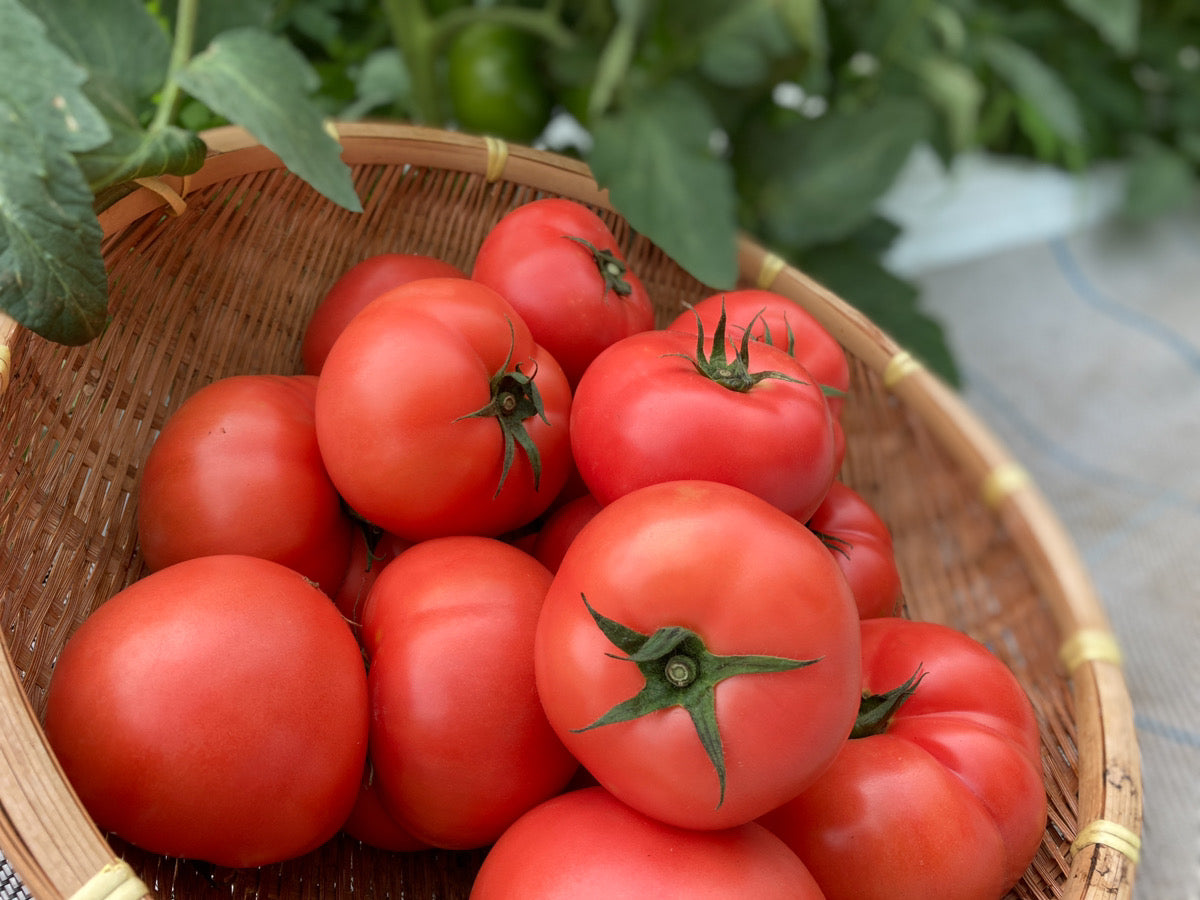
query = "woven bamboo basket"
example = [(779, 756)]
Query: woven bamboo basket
[(217, 273)]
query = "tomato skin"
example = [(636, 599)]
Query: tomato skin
[(768, 314), (394, 413), (642, 414), (958, 766), (561, 527), (494, 82), (371, 823), (586, 845), (215, 710), (355, 288), (557, 285), (459, 741), (368, 555), (861, 543), (748, 579), (236, 469)]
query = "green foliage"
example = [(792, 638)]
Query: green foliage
[(786, 119)]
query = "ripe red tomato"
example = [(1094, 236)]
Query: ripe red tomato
[(560, 528), (459, 741), (861, 543), (215, 710), (698, 653), (587, 845), (370, 551), (236, 469), (780, 321), (559, 265), (940, 797), (371, 823), (358, 286), (662, 406), (437, 413)]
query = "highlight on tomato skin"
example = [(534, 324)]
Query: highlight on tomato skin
[(587, 845)]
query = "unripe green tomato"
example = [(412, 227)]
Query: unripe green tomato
[(495, 84)]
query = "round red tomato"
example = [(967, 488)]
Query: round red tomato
[(560, 528), (780, 321), (358, 286), (559, 265), (664, 405), (370, 551), (215, 710), (371, 823), (437, 413), (459, 741), (587, 845), (698, 653), (237, 469), (939, 793), (861, 543)]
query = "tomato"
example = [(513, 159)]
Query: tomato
[(586, 845), (214, 710), (358, 286), (560, 266), (660, 406), (369, 553), (560, 528), (237, 469), (746, 642), (780, 321), (438, 414), (370, 822), (861, 543), (459, 741), (941, 795), (495, 84)]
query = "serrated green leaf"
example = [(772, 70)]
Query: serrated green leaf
[(1115, 20), (42, 85), (1038, 85), (261, 82), (126, 53), (52, 277), (655, 157), (811, 181)]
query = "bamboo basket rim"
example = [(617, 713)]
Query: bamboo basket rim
[(57, 851)]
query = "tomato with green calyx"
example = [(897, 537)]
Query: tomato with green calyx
[(495, 83), (666, 405), (587, 845), (698, 652), (559, 265), (939, 790), (437, 413), (861, 543)]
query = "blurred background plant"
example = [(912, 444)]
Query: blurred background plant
[(786, 119)]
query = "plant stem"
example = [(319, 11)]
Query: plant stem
[(412, 34), (181, 52)]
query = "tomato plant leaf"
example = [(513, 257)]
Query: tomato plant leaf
[(1038, 85), (263, 83), (737, 49), (52, 276), (655, 156), (1115, 20)]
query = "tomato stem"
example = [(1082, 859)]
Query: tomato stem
[(612, 269), (716, 366), (875, 711), (679, 670)]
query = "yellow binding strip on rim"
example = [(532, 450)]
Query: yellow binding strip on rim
[(772, 265), (5, 367), (497, 158), (1089, 645), (116, 881), (1110, 834), (1004, 479), (164, 190), (900, 367)]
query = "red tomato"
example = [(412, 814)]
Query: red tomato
[(943, 796), (215, 710), (434, 406), (371, 823), (586, 845), (559, 265), (743, 630), (862, 545), (658, 407), (237, 469), (370, 552), (358, 286), (459, 741), (777, 320), (560, 528)]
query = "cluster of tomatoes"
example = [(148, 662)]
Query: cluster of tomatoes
[(622, 624)]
